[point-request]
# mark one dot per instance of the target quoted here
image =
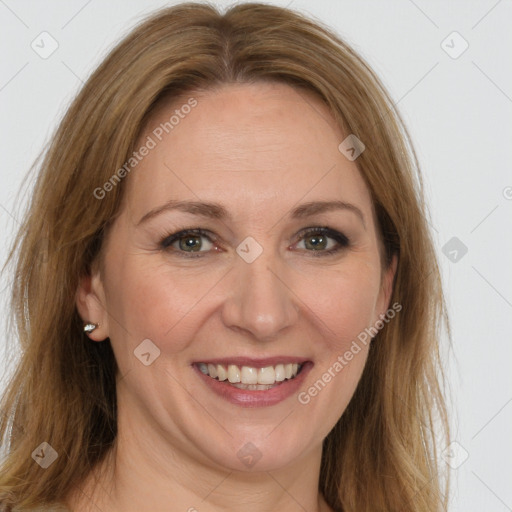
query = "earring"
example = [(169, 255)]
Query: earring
[(89, 327)]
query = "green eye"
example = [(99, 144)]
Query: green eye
[(319, 241), (323, 241), (187, 241)]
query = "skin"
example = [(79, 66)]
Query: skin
[(260, 150)]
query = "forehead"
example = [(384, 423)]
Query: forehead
[(259, 145)]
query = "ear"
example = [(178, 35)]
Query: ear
[(91, 303), (386, 288)]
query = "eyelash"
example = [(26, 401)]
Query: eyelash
[(340, 238)]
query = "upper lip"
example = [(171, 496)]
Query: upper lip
[(254, 362)]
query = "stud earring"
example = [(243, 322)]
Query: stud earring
[(89, 327)]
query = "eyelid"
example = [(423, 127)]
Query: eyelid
[(325, 230)]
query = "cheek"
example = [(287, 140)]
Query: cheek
[(152, 301), (170, 305), (343, 312), (344, 302)]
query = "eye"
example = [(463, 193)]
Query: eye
[(322, 241), (318, 241), (188, 241)]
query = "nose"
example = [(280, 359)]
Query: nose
[(261, 301)]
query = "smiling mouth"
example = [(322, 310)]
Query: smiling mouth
[(251, 378)]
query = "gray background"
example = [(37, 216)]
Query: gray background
[(458, 108)]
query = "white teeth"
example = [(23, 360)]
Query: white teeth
[(222, 374), (212, 370), (266, 375), (280, 373), (233, 373), (248, 377)]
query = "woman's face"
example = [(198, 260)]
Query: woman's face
[(260, 286)]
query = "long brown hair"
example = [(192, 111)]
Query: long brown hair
[(381, 455)]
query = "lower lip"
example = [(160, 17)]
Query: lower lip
[(256, 398)]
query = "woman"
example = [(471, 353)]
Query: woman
[(225, 284)]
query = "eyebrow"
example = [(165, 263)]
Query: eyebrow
[(217, 211)]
